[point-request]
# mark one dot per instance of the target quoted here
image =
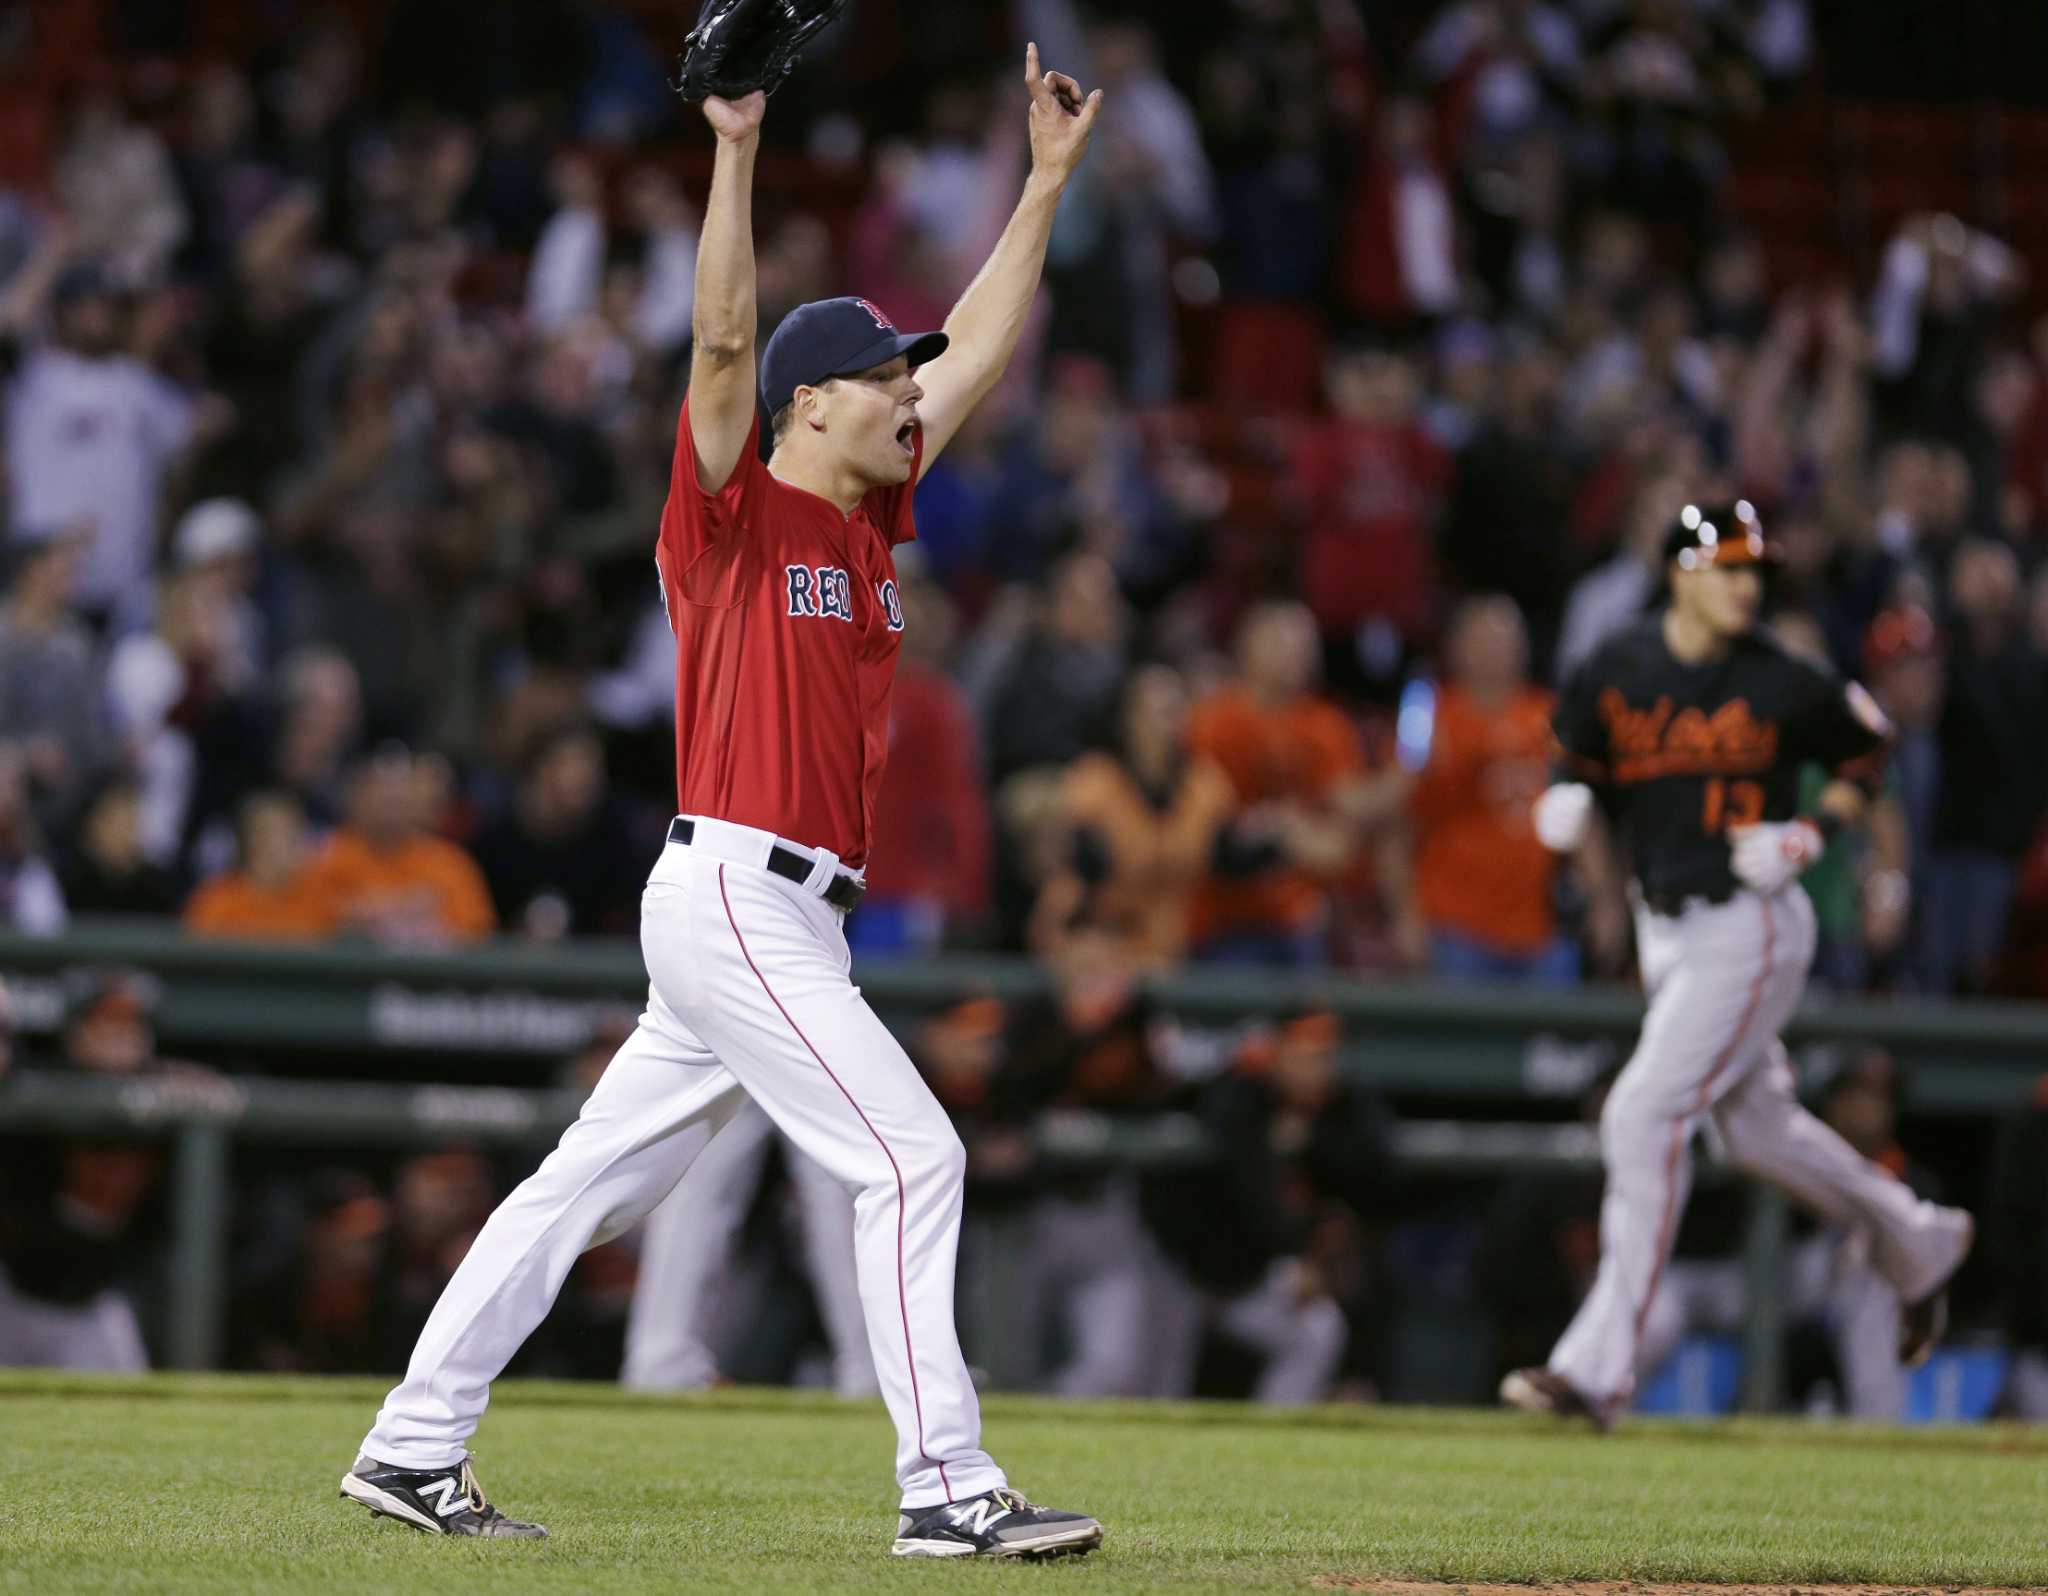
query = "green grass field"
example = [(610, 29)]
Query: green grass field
[(173, 1484)]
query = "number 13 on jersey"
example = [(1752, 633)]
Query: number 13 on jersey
[(1732, 803)]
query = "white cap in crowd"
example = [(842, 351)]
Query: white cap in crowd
[(215, 529)]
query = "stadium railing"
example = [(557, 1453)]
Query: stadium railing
[(228, 1003), (337, 1010), (203, 1116)]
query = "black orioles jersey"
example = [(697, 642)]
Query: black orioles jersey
[(1681, 753)]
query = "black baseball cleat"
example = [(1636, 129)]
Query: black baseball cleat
[(1540, 1391), (440, 1501), (1921, 1328), (998, 1523), (1924, 1321)]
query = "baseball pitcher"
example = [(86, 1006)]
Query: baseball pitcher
[(780, 585), (1689, 730)]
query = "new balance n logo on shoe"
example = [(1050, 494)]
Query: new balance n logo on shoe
[(453, 1499), (977, 1515), (997, 1523), (437, 1501)]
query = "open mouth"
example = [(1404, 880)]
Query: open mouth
[(906, 437)]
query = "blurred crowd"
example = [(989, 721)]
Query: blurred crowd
[(343, 355), (1370, 365)]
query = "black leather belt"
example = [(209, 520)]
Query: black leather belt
[(844, 893), (1672, 904)]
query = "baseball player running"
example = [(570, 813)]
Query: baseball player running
[(1690, 728), (780, 585)]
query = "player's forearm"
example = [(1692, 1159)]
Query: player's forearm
[(989, 319), (1600, 870), (723, 323), (29, 291)]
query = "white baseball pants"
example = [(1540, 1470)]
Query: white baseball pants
[(749, 996), (687, 1245), (1722, 981)]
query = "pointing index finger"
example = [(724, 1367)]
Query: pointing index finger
[(1032, 80)]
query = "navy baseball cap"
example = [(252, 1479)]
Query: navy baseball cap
[(836, 338)]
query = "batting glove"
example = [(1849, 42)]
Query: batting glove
[(1771, 855), (1562, 813)]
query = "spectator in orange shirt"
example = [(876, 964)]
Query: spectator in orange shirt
[(269, 894), (386, 876), (1142, 824), (1297, 774), (1482, 903)]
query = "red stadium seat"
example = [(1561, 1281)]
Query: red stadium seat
[(1919, 138), (1781, 204), (1267, 357), (2023, 139), (27, 133), (1893, 196)]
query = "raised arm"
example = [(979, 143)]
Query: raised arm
[(722, 328), (28, 291), (986, 324)]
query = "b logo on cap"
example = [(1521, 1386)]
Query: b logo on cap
[(875, 311)]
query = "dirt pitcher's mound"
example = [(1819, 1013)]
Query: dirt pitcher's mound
[(1624, 1587)]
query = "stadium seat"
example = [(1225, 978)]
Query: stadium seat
[(1267, 357)]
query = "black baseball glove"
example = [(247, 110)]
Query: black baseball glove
[(739, 46)]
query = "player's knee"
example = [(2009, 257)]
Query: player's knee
[(946, 1162), (929, 1160), (1624, 1119)]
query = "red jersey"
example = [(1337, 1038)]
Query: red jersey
[(787, 625)]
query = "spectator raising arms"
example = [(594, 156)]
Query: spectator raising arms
[(92, 431)]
